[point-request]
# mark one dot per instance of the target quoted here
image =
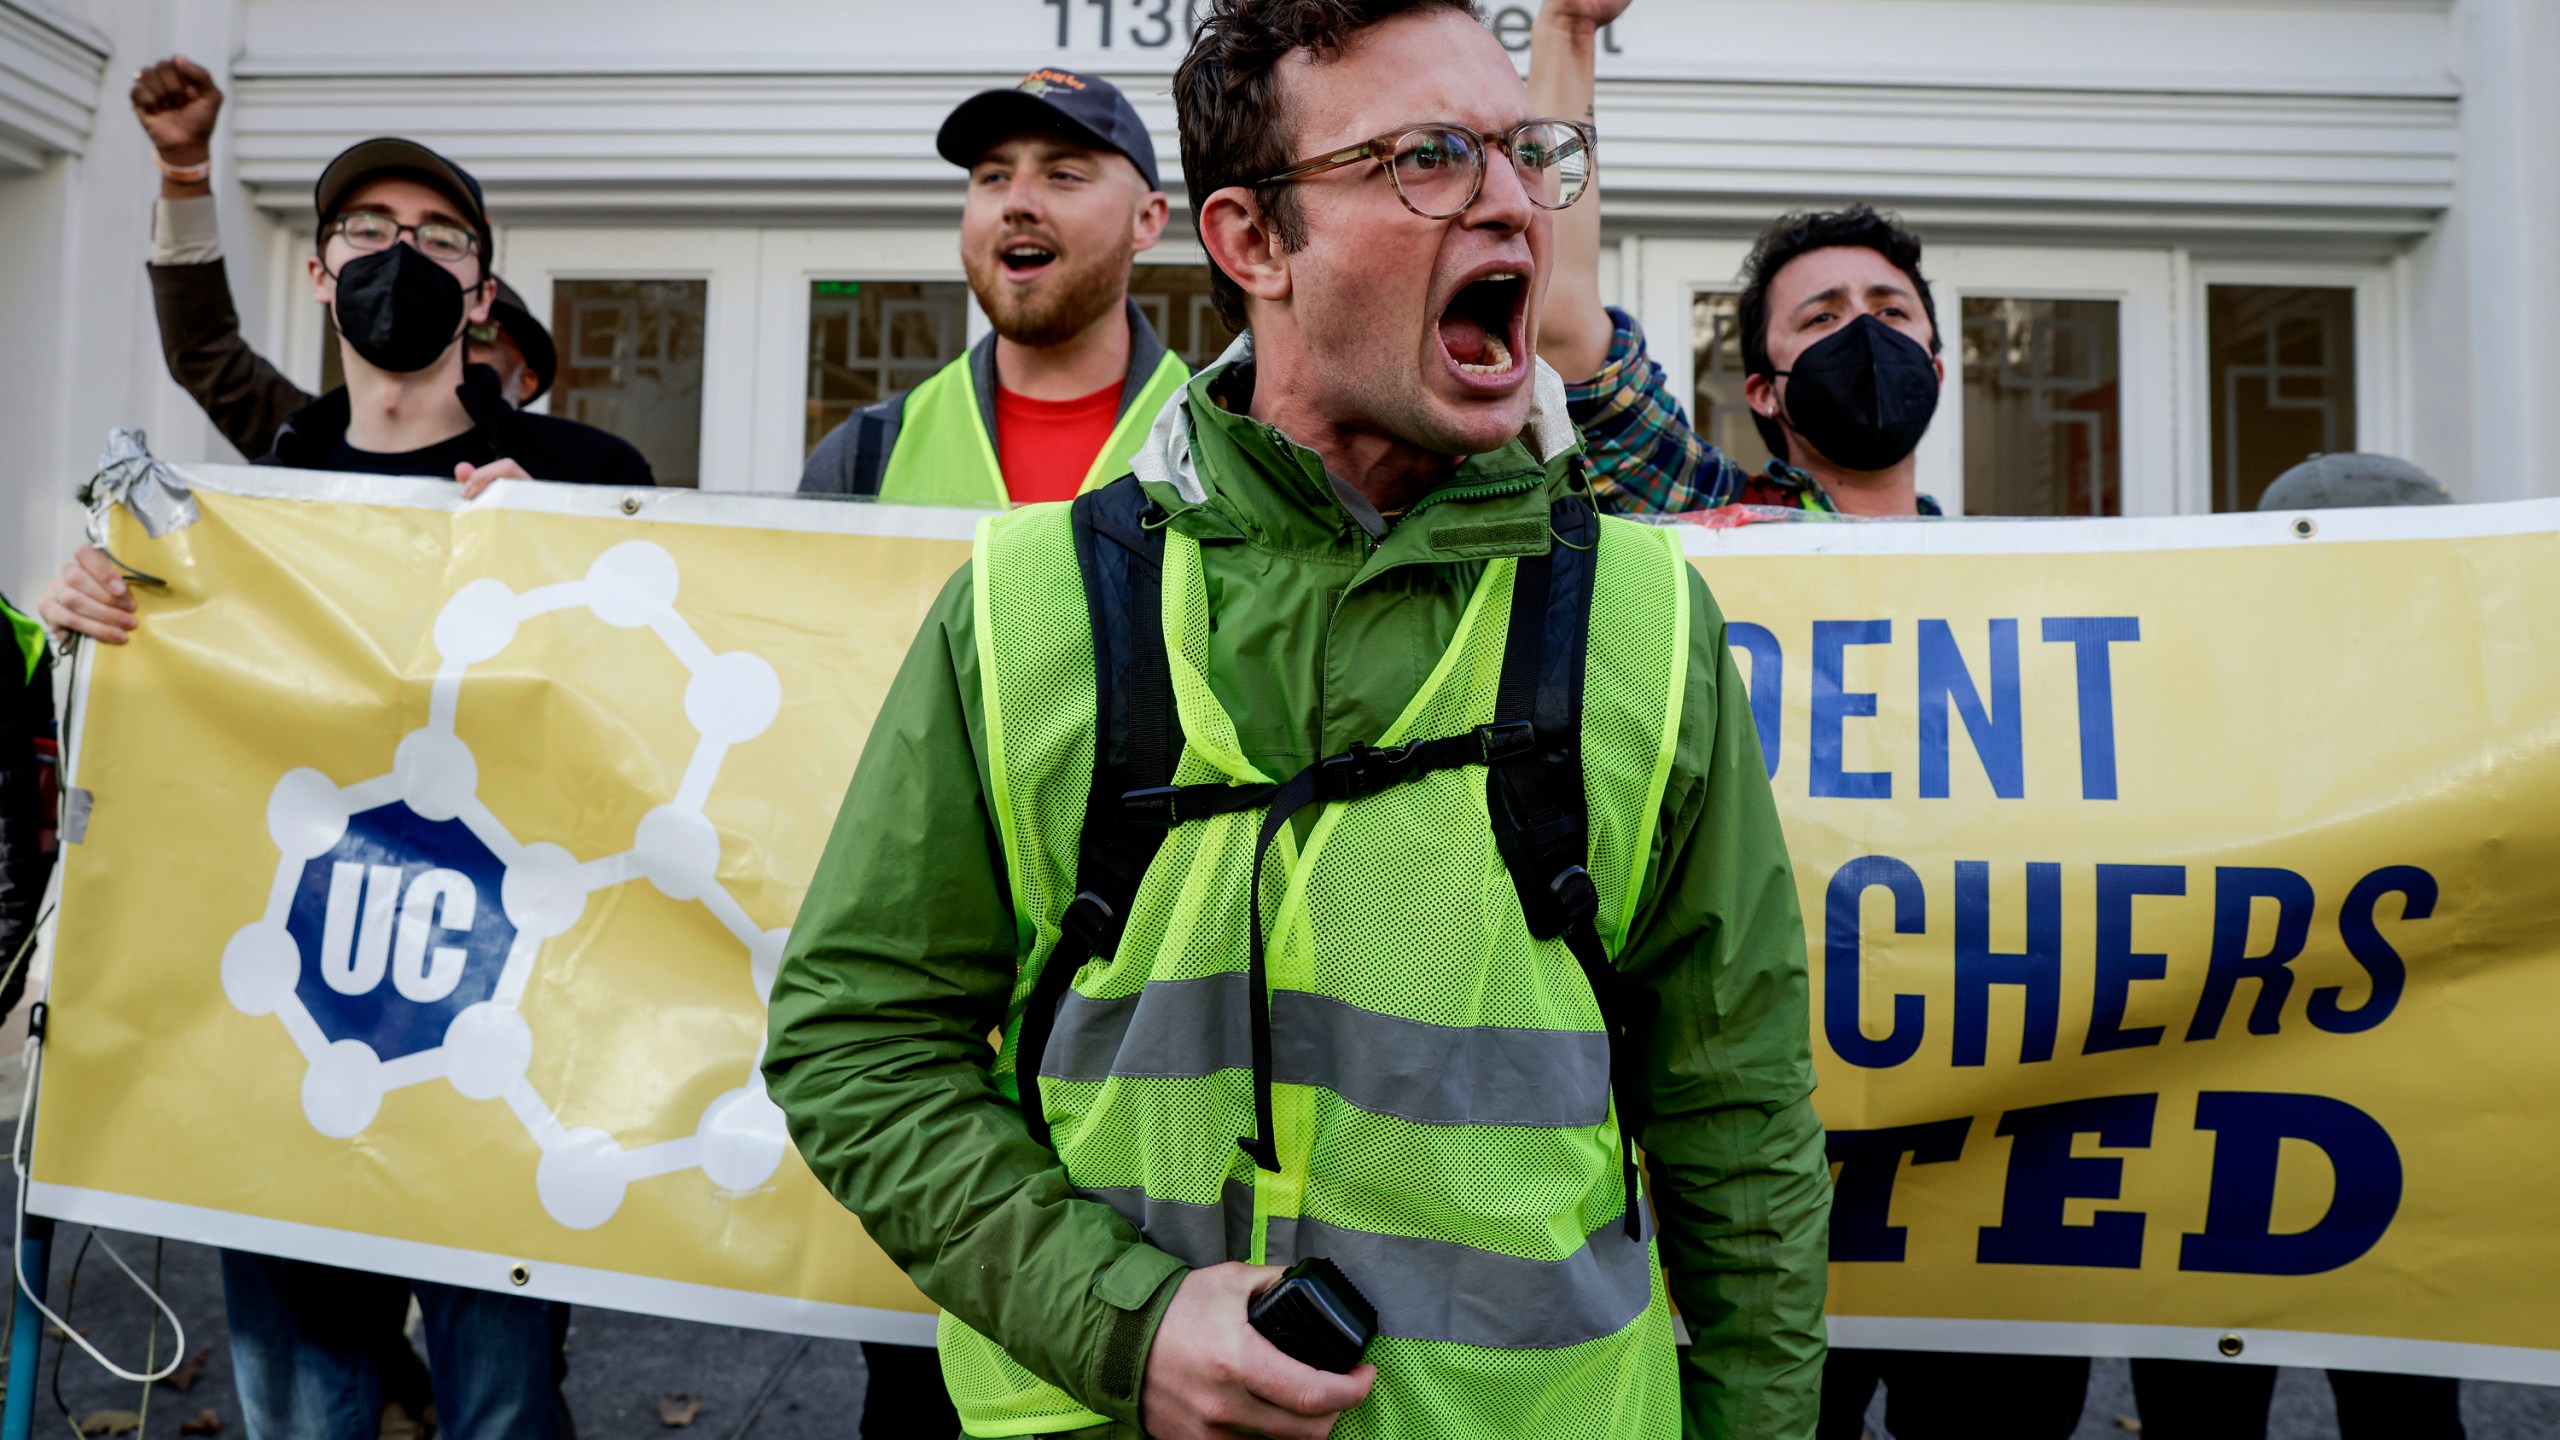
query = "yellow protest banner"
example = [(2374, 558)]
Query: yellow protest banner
[(2182, 900), (439, 859)]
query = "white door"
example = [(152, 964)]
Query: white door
[(656, 330), (2061, 387)]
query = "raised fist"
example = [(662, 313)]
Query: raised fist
[(177, 101), (1583, 13)]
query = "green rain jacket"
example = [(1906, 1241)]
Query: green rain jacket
[(903, 957)]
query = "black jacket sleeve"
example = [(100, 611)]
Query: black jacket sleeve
[(26, 716), (550, 447), (244, 396)]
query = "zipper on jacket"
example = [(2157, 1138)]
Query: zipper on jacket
[(1489, 490)]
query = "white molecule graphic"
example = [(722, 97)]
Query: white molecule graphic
[(373, 931)]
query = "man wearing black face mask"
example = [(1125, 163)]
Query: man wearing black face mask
[(1840, 342), (402, 264), (177, 104)]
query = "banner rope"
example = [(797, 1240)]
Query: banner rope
[(33, 1056)]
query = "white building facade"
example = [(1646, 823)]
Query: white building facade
[(2177, 244)]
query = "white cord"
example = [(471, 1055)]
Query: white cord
[(34, 1056)]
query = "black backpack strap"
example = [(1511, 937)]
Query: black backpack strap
[(875, 430), (1534, 794), (1136, 742)]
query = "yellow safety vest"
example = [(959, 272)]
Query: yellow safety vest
[(1442, 1112), (944, 455)]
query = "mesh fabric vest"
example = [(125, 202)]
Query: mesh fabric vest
[(1443, 1117), (944, 455)]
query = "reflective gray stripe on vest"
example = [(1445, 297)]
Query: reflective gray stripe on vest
[(1424, 1289), (1196, 1235), (1428, 1074), (1435, 1290)]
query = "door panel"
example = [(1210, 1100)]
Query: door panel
[(658, 322)]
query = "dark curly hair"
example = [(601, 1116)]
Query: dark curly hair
[(1802, 233), (1226, 95)]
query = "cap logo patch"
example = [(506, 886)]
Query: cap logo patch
[(1046, 82)]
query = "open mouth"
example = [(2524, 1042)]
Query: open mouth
[(1025, 256), (1479, 327)]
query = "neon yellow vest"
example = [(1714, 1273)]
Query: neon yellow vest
[(1443, 1116), (26, 639), (944, 455)]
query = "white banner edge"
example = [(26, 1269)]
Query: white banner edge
[(2299, 1348), (664, 504), (479, 1270), (2271, 530)]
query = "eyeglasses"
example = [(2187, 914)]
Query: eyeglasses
[(370, 232), (1438, 170)]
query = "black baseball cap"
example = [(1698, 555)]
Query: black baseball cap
[(1085, 108), (541, 356), (389, 155)]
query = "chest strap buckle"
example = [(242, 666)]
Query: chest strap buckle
[(1092, 924), (1153, 805), (1577, 898), (1364, 770), (1507, 740)]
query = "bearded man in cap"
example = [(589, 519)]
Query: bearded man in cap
[(1062, 196)]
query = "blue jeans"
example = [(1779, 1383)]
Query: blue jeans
[(307, 1343)]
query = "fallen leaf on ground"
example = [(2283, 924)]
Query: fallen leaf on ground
[(205, 1423), (676, 1410), (189, 1373), (110, 1422), (2127, 1422)]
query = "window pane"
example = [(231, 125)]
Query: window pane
[(2284, 382), (1717, 408), (631, 363), (870, 340), (2042, 409), (1175, 300)]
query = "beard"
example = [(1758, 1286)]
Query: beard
[(1060, 305)]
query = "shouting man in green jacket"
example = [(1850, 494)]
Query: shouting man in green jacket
[(1354, 846)]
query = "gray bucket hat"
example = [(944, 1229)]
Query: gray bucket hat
[(2350, 480)]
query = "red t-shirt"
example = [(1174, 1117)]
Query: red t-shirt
[(1046, 446)]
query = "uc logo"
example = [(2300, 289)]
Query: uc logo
[(403, 928)]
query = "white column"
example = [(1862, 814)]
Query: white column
[(2509, 197), (83, 351)]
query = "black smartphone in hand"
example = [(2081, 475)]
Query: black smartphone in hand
[(1316, 1316)]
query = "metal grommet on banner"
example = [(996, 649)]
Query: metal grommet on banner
[(521, 1276), (2304, 527), (2230, 1345), (630, 504)]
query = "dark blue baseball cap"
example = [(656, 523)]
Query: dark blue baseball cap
[(1084, 108)]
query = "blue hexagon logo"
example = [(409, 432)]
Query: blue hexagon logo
[(400, 929)]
